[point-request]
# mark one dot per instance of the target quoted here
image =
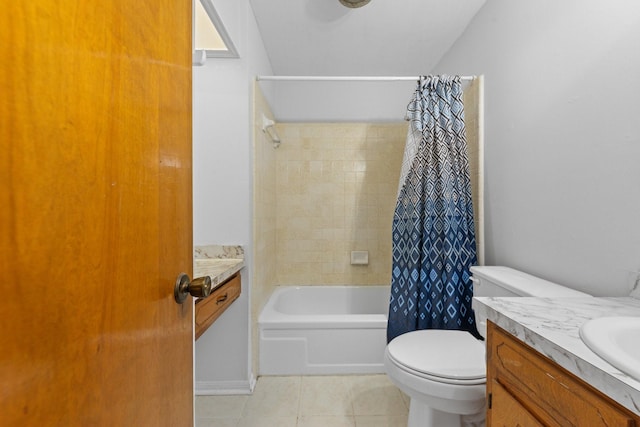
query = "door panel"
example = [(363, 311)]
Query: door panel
[(506, 411), (95, 218)]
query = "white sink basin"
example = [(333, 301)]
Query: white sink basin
[(616, 340)]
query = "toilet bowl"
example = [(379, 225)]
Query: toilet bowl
[(444, 374), (444, 371)]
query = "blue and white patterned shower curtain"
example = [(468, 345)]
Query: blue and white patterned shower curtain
[(433, 233)]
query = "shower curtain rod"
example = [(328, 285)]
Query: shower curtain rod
[(348, 78)]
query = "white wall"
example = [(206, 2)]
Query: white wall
[(222, 180), (339, 101), (562, 136)]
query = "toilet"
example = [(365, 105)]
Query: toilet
[(444, 371)]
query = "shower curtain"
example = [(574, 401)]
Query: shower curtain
[(433, 232)]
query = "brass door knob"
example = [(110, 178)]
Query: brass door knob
[(198, 288)]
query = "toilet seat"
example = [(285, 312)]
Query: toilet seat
[(446, 356)]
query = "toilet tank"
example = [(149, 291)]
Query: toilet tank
[(493, 281)]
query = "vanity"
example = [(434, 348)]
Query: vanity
[(540, 372), (222, 264)]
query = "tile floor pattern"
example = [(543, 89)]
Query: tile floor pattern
[(309, 401)]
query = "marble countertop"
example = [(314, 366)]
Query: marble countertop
[(218, 262), (551, 326), (218, 270)]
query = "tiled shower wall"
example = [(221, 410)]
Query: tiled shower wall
[(264, 218), (473, 119), (336, 191), (264, 201)]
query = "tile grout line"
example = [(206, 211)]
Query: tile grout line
[(246, 402), (351, 398), (298, 415), (242, 410)]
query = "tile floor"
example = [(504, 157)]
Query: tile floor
[(309, 401)]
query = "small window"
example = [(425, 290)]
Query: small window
[(210, 35)]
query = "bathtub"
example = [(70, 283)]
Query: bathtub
[(323, 330)]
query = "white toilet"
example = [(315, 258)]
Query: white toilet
[(443, 372)]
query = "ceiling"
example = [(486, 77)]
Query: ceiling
[(383, 38)]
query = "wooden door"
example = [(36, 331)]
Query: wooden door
[(95, 213)]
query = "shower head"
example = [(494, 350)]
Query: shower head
[(354, 3)]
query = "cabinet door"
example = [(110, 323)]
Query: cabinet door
[(210, 308), (551, 394), (507, 411)]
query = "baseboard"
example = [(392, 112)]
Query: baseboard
[(214, 388)]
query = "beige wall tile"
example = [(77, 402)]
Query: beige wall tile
[(472, 125), (336, 189), (264, 217)]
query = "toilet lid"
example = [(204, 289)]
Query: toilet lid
[(440, 353)]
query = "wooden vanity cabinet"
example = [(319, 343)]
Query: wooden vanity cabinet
[(525, 388), (210, 308)]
